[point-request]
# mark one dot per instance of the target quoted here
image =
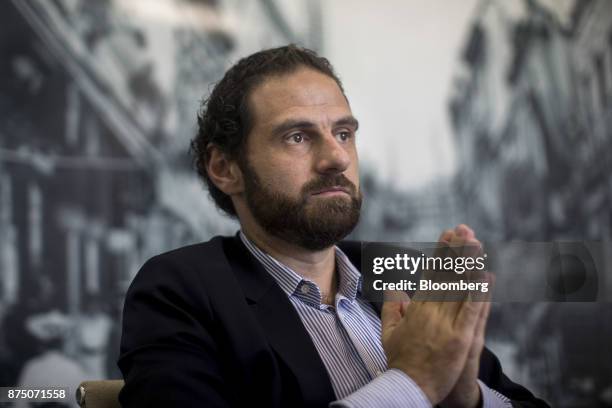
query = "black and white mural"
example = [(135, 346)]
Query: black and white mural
[(530, 108), (97, 107)]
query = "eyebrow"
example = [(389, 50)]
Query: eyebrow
[(306, 124)]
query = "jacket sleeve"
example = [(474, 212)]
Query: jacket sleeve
[(492, 375), (168, 354)]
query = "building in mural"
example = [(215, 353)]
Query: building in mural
[(98, 103), (531, 117), (531, 121)]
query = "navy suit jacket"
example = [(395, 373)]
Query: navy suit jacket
[(206, 326)]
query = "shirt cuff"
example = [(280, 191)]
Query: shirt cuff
[(492, 398), (392, 389)]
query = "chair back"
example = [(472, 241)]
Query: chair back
[(99, 394)]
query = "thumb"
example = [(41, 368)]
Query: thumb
[(393, 310), (390, 316)]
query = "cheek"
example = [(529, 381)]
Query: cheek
[(352, 172), (285, 178)]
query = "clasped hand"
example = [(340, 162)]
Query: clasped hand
[(438, 343)]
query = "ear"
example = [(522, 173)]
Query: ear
[(224, 172)]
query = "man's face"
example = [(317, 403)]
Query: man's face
[(301, 172)]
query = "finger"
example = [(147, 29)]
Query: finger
[(449, 300), (391, 314), (393, 309), (467, 316), (425, 294), (479, 334), (453, 303), (485, 309), (398, 296), (465, 231), (473, 247), (490, 276), (395, 296), (484, 277), (465, 240), (446, 235), (457, 245), (450, 310), (483, 318), (443, 241)]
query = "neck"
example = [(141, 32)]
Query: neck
[(316, 266)]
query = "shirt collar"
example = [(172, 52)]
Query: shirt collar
[(291, 282)]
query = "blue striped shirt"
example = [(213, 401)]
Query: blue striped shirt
[(347, 337)]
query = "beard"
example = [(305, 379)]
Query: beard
[(313, 223)]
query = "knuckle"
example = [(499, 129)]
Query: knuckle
[(457, 341)]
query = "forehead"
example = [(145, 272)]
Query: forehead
[(305, 92)]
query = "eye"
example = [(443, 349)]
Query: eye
[(344, 136), (295, 138)]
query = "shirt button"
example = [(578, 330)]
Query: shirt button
[(305, 289)]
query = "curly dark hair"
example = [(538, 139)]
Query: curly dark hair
[(224, 119)]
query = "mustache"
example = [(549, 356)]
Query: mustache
[(325, 182)]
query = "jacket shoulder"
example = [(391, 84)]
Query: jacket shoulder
[(186, 255), (183, 269)]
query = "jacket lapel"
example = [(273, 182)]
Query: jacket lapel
[(282, 324)]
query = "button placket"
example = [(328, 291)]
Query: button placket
[(349, 313)]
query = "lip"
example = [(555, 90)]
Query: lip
[(331, 191)]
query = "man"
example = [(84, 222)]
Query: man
[(273, 316)]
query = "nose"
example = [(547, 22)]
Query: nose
[(332, 156)]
